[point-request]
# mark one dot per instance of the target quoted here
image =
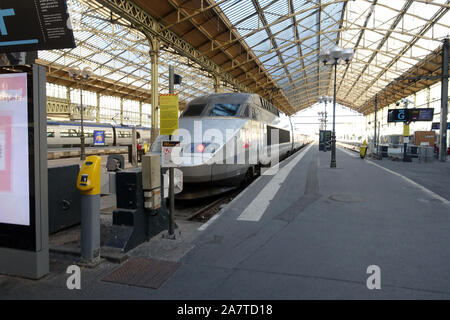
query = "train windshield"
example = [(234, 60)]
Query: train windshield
[(224, 110), (194, 110)]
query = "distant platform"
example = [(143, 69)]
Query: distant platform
[(59, 153)]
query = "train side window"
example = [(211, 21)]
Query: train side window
[(124, 134), (246, 113), (71, 133), (50, 134), (254, 114)]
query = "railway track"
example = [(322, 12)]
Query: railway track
[(208, 211)]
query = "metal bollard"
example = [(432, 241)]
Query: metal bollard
[(89, 183)]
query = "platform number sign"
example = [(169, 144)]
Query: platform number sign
[(398, 115), (410, 115), (171, 154)]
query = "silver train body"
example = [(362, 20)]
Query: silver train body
[(233, 126), (67, 134)]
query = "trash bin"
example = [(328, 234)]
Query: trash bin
[(384, 151), (363, 150)]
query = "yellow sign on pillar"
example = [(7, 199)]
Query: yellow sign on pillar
[(169, 113), (406, 130)]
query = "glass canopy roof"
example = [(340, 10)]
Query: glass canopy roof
[(286, 36), (120, 55), (389, 37)]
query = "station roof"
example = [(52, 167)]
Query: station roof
[(269, 47)]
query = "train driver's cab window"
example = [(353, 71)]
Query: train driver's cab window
[(194, 110), (224, 110), (246, 112), (254, 114)]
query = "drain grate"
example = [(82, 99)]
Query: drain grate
[(348, 198), (147, 273)]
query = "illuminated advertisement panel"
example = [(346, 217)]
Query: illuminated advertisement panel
[(99, 138), (14, 157)]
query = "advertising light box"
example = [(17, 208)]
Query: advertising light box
[(99, 137), (14, 164)]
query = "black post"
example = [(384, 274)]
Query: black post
[(375, 132), (444, 102), (171, 170), (82, 146), (333, 136)]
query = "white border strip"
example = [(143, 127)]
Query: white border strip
[(427, 191), (256, 209), (210, 221), (204, 226)]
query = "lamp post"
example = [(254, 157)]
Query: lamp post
[(325, 99), (81, 75), (333, 57)]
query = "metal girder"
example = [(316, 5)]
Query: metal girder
[(440, 13), (149, 26), (205, 32), (394, 91), (271, 37)]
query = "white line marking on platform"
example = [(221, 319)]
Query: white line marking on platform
[(349, 153), (427, 191), (256, 209), (210, 221)]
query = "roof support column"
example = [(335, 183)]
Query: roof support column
[(121, 111), (216, 83), (97, 117), (444, 101), (140, 113), (154, 55)]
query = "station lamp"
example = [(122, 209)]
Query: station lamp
[(81, 75), (333, 57)]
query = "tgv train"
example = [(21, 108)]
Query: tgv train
[(226, 138), (67, 134)]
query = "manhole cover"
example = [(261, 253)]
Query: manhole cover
[(148, 273), (349, 198)]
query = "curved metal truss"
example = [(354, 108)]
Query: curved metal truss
[(119, 57)]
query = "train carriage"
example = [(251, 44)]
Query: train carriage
[(226, 138)]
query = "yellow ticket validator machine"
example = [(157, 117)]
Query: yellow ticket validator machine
[(89, 183)]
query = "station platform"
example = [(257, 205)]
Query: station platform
[(307, 232)]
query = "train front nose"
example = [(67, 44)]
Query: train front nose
[(196, 159)]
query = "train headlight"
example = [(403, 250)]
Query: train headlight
[(200, 148)]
